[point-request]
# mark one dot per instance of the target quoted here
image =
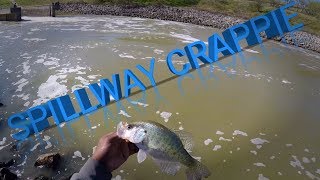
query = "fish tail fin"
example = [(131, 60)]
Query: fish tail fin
[(197, 171)]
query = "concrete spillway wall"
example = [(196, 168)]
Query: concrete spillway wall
[(14, 15)]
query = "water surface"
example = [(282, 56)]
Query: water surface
[(256, 119)]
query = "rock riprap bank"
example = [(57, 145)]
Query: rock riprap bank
[(186, 15)]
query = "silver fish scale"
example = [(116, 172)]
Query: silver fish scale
[(162, 143)]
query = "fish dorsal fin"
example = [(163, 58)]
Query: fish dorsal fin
[(186, 139), (141, 156), (168, 167)]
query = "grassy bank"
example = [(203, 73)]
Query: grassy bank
[(309, 13)]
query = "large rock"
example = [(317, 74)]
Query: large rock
[(6, 174), (49, 160), (41, 177), (7, 164)]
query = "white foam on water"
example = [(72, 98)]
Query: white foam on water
[(181, 128), (4, 146), (24, 161), (122, 112), (34, 39), (1, 62), (3, 141), (238, 132), (93, 76), (306, 150), (62, 124), (8, 71), (311, 176), (21, 83), (125, 55), (217, 147), (272, 157), (224, 139), (313, 159), (306, 160), (42, 58), (51, 89), (94, 127), (252, 51), (76, 69), (158, 51), (82, 80), (23, 96), (318, 171), (259, 164), (261, 177), (78, 154), (139, 103), (34, 147), (289, 145), (279, 173), (26, 67), (309, 67), (34, 29), (26, 104), (254, 152), (46, 139), (219, 133), (258, 142), (185, 38), (118, 177), (207, 142), (296, 163), (197, 158), (52, 62), (284, 81), (165, 116)]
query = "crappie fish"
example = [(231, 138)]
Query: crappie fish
[(167, 148)]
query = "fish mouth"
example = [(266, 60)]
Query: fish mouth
[(121, 128)]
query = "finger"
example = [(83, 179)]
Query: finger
[(109, 135), (132, 148), (124, 149)]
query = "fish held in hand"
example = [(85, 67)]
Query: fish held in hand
[(169, 149)]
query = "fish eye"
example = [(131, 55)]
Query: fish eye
[(129, 127)]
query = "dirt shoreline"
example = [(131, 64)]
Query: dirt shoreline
[(180, 14)]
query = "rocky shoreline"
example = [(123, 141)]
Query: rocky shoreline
[(186, 15)]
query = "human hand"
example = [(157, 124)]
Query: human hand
[(113, 151)]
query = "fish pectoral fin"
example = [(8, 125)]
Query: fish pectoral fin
[(141, 156), (168, 167), (186, 139)]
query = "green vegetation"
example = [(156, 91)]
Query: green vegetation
[(153, 2), (308, 11)]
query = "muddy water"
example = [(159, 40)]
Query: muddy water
[(257, 118)]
